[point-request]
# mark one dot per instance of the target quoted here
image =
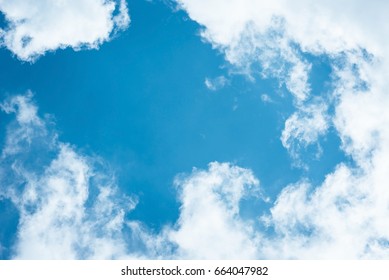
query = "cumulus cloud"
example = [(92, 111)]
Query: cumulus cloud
[(35, 27), (68, 203), (210, 226), (344, 218)]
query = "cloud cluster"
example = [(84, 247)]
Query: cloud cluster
[(63, 195), (68, 203), (345, 217), (276, 36), (70, 206), (35, 27)]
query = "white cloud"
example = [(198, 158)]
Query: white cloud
[(26, 111), (68, 203), (216, 83), (35, 27), (28, 125), (275, 55), (209, 226), (266, 98), (304, 128), (249, 33), (344, 218), (316, 26)]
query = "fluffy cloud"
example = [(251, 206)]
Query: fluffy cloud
[(68, 203), (210, 226), (35, 27), (344, 218), (320, 26)]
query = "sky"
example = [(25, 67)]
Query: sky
[(182, 129)]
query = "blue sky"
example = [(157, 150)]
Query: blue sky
[(177, 123)]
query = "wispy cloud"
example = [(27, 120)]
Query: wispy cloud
[(35, 27), (216, 83), (266, 98), (304, 128)]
